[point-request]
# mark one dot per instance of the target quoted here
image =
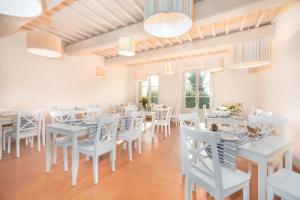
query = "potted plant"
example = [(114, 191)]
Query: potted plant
[(144, 102)]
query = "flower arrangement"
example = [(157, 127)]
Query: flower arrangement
[(235, 108), (144, 102)]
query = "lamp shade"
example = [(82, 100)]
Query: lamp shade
[(100, 72), (44, 44), (126, 46), (21, 8), (140, 76), (214, 64), (251, 54), (170, 68), (168, 18)]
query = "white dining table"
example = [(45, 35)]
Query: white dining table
[(224, 120), (3, 122), (69, 130), (263, 150)]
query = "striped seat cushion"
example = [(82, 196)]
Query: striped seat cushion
[(93, 132)]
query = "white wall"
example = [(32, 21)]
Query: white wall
[(27, 80), (229, 86), (280, 84)]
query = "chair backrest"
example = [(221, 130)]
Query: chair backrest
[(138, 120), (106, 129), (130, 108), (195, 142), (93, 113), (29, 120), (189, 120), (62, 116)]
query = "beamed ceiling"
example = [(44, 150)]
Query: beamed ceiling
[(93, 26)]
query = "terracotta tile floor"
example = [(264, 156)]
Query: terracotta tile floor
[(155, 175)]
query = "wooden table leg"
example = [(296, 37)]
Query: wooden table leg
[(74, 160), (48, 150), (262, 179)]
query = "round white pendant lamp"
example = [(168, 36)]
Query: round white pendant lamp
[(251, 54), (140, 76), (214, 64), (170, 68), (168, 18), (21, 8), (126, 46), (100, 72), (44, 44)]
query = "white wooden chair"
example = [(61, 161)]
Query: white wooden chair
[(130, 108), (27, 125), (175, 113), (134, 133), (101, 140), (283, 183), (93, 113), (192, 121), (64, 141), (206, 172), (164, 121)]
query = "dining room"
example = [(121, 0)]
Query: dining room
[(149, 99)]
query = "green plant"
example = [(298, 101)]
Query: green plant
[(235, 108), (144, 102)]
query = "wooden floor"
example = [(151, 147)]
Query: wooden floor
[(155, 175)]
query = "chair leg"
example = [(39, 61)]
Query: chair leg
[(246, 191), (4, 142), (18, 147), (140, 145), (8, 144), (135, 144), (65, 153), (39, 142), (113, 160), (169, 129), (31, 142), (87, 158), (130, 150), (54, 150), (166, 132), (270, 194), (95, 168), (249, 168), (26, 141), (188, 189), (124, 145)]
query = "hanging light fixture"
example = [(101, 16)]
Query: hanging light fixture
[(251, 54), (170, 68), (100, 72), (44, 44), (21, 8), (126, 46), (140, 76), (168, 18), (214, 64)]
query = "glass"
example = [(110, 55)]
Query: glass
[(204, 85), (190, 102), (144, 91), (154, 80), (204, 101)]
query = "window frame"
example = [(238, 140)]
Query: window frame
[(197, 92), (149, 88)]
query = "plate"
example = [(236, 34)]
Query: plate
[(229, 137)]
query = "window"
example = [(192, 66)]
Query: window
[(150, 88), (197, 89)]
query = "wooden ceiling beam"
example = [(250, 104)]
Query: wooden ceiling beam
[(194, 47), (206, 12)]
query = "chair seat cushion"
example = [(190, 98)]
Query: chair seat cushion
[(103, 147), (286, 181), (128, 135)]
